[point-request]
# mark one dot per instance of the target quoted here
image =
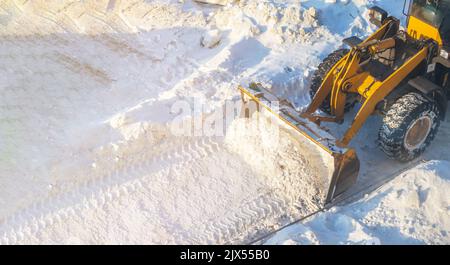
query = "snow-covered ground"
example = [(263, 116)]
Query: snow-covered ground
[(91, 94), (412, 209)]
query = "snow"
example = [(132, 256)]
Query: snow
[(93, 98), (412, 209), (211, 39)]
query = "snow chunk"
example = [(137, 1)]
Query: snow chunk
[(211, 39)]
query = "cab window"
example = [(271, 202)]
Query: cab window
[(444, 30), (429, 11)]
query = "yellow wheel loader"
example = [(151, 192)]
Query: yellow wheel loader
[(399, 74)]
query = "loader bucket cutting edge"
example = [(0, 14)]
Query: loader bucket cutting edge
[(342, 163)]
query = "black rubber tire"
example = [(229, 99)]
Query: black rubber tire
[(399, 118), (321, 73)]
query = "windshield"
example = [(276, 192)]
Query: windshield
[(444, 30), (430, 11)]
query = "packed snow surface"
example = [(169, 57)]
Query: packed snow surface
[(97, 143)]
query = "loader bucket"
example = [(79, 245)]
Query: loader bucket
[(338, 166)]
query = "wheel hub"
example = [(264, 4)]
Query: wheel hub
[(418, 132)]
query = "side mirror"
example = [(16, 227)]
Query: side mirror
[(377, 16)]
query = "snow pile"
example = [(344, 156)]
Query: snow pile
[(281, 155), (276, 21), (413, 209)]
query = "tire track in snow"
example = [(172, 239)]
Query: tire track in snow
[(97, 193), (39, 35), (239, 225)]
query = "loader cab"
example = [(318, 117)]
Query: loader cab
[(430, 19)]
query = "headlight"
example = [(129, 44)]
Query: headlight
[(444, 54)]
